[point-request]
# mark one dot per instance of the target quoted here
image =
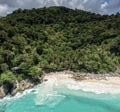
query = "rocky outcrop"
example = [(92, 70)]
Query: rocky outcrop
[(18, 86), (3, 91), (21, 86)]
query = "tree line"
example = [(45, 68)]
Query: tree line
[(56, 39)]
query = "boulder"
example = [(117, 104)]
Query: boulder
[(21, 86), (3, 91)]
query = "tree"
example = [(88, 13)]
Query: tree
[(4, 67), (7, 77), (34, 71), (3, 36)]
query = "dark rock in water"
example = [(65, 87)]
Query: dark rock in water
[(33, 91), (45, 80)]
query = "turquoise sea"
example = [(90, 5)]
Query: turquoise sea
[(55, 98)]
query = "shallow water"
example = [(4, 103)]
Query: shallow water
[(62, 96)]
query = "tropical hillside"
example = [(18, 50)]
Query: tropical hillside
[(56, 39)]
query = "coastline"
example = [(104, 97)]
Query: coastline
[(107, 78), (18, 86), (60, 88), (100, 84), (111, 80)]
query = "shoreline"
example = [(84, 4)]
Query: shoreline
[(18, 86), (109, 79), (86, 82)]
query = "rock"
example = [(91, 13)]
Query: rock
[(20, 86), (15, 88), (79, 76), (45, 80), (3, 91), (16, 69), (24, 84)]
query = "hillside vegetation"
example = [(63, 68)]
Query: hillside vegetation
[(56, 39)]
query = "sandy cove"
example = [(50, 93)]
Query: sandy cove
[(96, 83), (102, 78), (90, 82), (105, 79)]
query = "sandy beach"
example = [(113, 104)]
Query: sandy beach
[(109, 80), (58, 75), (107, 85), (64, 75)]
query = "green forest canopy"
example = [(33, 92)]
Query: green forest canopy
[(55, 39)]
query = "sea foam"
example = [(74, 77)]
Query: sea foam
[(47, 95), (87, 86), (52, 91)]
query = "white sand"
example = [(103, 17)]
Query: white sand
[(63, 75), (58, 75), (109, 80), (109, 86)]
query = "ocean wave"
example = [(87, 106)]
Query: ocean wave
[(19, 94), (95, 87), (47, 95), (54, 90), (7, 101)]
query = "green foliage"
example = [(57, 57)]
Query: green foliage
[(115, 47), (4, 67), (58, 38), (3, 36), (25, 67), (7, 77), (19, 77), (34, 71)]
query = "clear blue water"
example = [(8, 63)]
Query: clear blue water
[(61, 99)]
